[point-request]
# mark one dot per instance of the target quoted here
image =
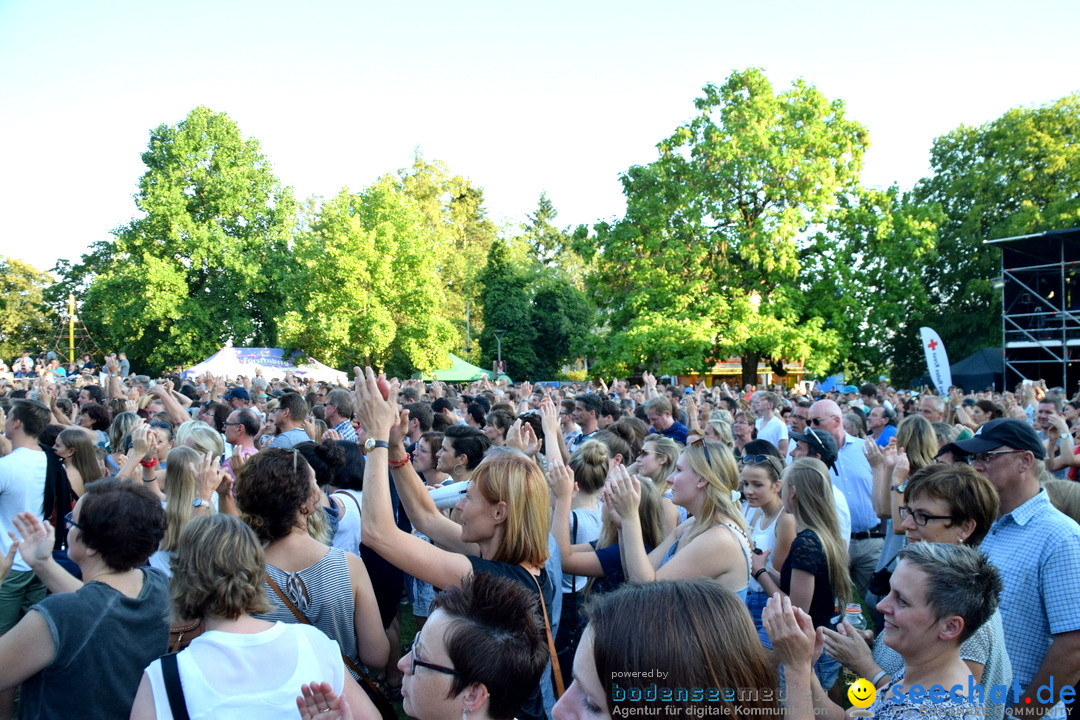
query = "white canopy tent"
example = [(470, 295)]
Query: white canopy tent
[(232, 362)]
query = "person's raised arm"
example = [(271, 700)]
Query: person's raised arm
[(623, 493), (36, 548), (881, 463), (379, 530), (177, 414), (554, 445), (561, 482)]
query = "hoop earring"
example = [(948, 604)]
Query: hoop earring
[(458, 469)]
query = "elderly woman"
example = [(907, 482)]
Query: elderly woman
[(308, 581), (940, 596), (696, 632), (240, 662), (80, 651), (478, 657), (942, 504)]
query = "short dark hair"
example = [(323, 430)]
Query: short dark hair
[(959, 581), (324, 458), (98, 413), (350, 475), (476, 411), (591, 401), (609, 409), (441, 404), (421, 412), (295, 404), (868, 390), (249, 421), (33, 415), (496, 638), (94, 391), (468, 441), (123, 521)]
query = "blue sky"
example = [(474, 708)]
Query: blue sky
[(517, 97)]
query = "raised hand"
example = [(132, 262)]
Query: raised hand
[(318, 701), (623, 492), (560, 479)]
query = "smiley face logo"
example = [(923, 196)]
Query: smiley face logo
[(862, 693)]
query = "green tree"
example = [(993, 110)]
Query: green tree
[(562, 320), (705, 263), (454, 210), (204, 264), (25, 322), (366, 285), (1016, 175), (507, 309)]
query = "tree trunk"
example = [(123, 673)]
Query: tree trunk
[(749, 368)]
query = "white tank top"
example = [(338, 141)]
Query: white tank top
[(763, 538)]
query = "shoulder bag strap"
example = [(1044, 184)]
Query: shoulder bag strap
[(556, 671), (170, 672), (386, 710), (350, 496)]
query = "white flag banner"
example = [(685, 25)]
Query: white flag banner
[(937, 362)]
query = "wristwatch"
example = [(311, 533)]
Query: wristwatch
[(198, 502), (371, 443), (902, 488)]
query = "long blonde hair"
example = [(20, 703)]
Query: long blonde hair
[(714, 463), (664, 447), (916, 437), (814, 509), (181, 482)]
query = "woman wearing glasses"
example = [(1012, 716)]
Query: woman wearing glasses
[(478, 657), (950, 504), (80, 652), (814, 575), (712, 543)]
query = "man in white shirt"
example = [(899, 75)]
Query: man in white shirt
[(769, 426)]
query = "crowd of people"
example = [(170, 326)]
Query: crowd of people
[(240, 547)]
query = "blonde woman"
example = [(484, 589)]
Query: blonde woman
[(657, 461), (190, 480), (712, 543), (815, 573)]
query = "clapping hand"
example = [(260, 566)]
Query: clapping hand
[(318, 701), (622, 492)]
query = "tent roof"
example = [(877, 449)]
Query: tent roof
[(232, 362), (460, 371), (987, 360)]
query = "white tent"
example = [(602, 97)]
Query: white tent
[(231, 362)]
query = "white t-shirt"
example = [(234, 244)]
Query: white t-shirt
[(229, 676), (774, 431), (22, 489)]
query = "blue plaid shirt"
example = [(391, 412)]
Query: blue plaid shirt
[(346, 429), (1037, 549)]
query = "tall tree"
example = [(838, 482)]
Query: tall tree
[(365, 285), (24, 318), (203, 265), (1016, 175), (507, 313), (454, 210), (704, 265)]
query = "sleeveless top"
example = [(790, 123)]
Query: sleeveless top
[(764, 538), (229, 676), (744, 545), (323, 593)]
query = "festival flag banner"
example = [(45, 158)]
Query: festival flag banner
[(937, 362)]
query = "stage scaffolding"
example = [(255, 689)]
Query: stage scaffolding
[(1041, 307)]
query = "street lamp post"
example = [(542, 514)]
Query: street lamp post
[(498, 339)]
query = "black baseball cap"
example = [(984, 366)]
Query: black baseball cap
[(821, 443), (1009, 432)]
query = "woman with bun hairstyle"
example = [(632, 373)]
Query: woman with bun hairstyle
[(277, 492), (240, 662)]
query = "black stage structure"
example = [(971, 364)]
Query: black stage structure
[(1041, 307)]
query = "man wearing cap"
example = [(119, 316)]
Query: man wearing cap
[(855, 479), (821, 445), (238, 398), (1037, 549)]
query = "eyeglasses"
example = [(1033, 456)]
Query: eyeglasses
[(755, 459), (919, 516), (985, 457), (430, 666), (818, 420), (227, 424), (71, 521)]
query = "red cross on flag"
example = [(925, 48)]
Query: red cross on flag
[(937, 362)]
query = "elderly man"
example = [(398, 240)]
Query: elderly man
[(932, 407), (1037, 549), (338, 412), (853, 476), (879, 423)]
